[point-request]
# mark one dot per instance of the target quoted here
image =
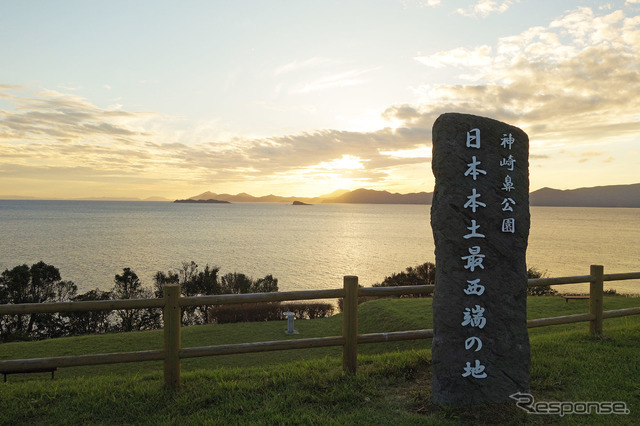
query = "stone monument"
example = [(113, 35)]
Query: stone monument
[(480, 220)]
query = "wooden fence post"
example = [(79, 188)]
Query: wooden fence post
[(172, 318), (595, 299), (350, 324)]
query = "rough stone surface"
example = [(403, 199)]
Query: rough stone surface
[(501, 328)]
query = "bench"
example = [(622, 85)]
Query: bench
[(52, 370), (566, 298)]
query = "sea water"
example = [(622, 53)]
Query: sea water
[(304, 247)]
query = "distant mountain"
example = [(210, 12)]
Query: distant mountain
[(359, 196), (205, 196), (600, 196), (335, 193), (246, 198), (370, 196), (209, 201)]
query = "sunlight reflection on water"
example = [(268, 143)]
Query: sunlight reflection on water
[(305, 247)]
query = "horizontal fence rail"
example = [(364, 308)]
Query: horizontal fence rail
[(395, 291), (19, 365), (90, 305), (229, 299), (173, 302), (621, 313), (620, 277), (534, 282), (567, 319), (279, 345)]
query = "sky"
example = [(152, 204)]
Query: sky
[(171, 99)]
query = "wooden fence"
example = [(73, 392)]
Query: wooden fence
[(173, 302)]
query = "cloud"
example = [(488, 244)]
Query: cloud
[(421, 3), (58, 137), (7, 89), (484, 8), (286, 108), (295, 66), (601, 155), (343, 79), (61, 136), (53, 116), (70, 87), (420, 152), (568, 84), (459, 57), (64, 173), (570, 80), (362, 157), (592, 154)]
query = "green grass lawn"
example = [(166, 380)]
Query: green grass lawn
[(307, 386)]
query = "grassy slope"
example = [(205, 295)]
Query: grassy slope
[(393, 388)]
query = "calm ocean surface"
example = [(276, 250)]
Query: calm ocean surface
[(305, 247)]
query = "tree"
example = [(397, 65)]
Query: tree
[(90, 322), (193, 282), (540, 290), (268, 284), (160, 279), (128, 286), (201, 284), (56, 324), (424, 274), (237, 283), (14, 285), (36, 284), (4, 294)]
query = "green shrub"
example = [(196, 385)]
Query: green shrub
[(540, 290), (424, 274), (270, 311)]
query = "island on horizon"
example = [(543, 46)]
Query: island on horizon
[(599, 196)]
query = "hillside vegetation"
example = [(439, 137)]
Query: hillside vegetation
[(308, 386)]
